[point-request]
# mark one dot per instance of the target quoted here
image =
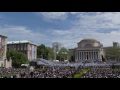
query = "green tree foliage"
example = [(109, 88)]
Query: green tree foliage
[(41, 51), (62, 54), (50, 53), (113, 53), (45, 52), (71, 57), (18, 58)]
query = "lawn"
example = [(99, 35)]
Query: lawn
[(4, 75), (79, 75)]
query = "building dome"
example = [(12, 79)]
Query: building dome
[(89, 43), (89, 40)]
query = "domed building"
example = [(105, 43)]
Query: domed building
[(89, 50)]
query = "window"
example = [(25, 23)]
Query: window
[(21, 47), (88, 45)]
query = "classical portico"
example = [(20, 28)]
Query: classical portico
[(87, 55), (90, 50)]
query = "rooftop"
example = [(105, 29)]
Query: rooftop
[(22, 41), (93, 40), (3, 36)]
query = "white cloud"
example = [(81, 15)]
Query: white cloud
[(20, 33), (54, 15), (99, 20), (88, 25), (70, 40)]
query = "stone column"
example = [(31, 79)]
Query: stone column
[(97, 54), (80, 55), (77, 56), (83, 55), (87, 55), (90, 55), (93, 55)]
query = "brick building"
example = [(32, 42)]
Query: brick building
[(24, 46)]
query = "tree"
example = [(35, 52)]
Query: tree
[(62, 54), (18, 58), (103, 58), (113, 53), (41, 51), (45, 52), (50, 53), (71, 57)]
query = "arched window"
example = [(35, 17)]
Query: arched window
[(88, 45)]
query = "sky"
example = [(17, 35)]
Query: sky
[(68, 28)]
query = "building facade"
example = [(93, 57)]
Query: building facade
[(25, 46), (116, 44), (57, 46), (3, 49), (89, 50)]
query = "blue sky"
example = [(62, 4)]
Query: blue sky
[(65, 27)]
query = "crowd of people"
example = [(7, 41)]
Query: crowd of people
[(60, 72), (102, 72), (44, 72)]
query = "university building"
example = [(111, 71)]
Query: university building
[(25, 46), (88, 50), (3, 49)]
